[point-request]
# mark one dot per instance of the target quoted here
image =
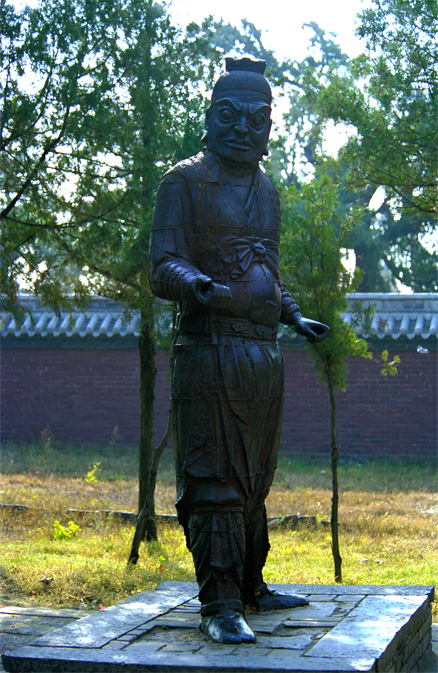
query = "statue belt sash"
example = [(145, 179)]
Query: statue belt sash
[(216, 326)]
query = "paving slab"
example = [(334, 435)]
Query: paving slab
[(41, 612), (345, 629), (20, 625), (32, 625)]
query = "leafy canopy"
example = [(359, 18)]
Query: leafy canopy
[(388, 98), (99, 98), (316, 236)]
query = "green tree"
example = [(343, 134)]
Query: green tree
[(315, 234), (388, 98), (99, 98)]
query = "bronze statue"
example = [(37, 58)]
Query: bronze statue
[(214, 250)]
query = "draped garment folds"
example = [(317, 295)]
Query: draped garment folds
[(227, 369)]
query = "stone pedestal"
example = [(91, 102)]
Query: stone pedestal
[(344, 628)]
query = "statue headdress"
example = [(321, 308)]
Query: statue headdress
[(245, 76)]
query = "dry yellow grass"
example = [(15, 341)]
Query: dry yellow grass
[(388, 532)]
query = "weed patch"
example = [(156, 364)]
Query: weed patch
[(67, 532)]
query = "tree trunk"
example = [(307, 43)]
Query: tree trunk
[(334, 451), (147, 395), (149, 461), (146, 522)]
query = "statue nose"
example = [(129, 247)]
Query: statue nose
[(241, 124)]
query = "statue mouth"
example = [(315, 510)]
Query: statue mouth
[(236, 145)]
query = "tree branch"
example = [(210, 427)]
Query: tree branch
[(50, 145)]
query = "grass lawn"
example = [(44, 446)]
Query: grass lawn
[(388, 534)]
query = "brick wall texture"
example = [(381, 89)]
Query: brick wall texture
[(83, 394)]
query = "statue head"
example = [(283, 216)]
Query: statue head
[(238, 120)]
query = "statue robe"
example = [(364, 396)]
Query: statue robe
[(227, 368)]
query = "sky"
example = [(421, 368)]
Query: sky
[(281, 21)]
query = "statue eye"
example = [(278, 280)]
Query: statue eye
[(257, 120), (226, 114)]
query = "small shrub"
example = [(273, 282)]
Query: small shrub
[(61, 532), (92, 475)]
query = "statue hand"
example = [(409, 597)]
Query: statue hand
[(212, 294), (313, 330)]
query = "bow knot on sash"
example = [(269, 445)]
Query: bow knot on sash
[(240, 253)]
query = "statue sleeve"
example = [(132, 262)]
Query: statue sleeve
[(171, 272), (288, 305)]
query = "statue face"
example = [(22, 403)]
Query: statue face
[(238, 129)]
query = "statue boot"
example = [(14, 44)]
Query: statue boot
[(255, 593), (267, 599), (227, 627)]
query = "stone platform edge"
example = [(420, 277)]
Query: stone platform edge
[(92, 643)]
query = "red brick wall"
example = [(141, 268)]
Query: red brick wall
[(83, 394), (376, 415)]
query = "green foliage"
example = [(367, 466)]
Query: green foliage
[(315, 239), (61, 532), (99, 99), (388, 97), (389, 368), (316, 235), (402, 82), (294, 154), (92, 474)]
